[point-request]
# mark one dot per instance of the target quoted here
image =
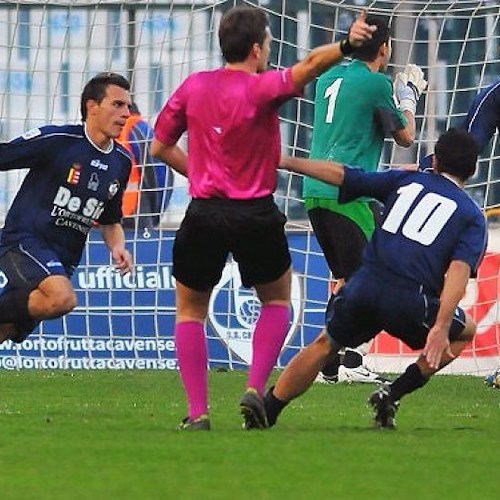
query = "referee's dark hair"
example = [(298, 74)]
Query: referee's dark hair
[(369, 50), (456, 153), (239, 29), (95, 89)]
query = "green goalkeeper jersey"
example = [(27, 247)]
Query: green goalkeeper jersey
[(354, 110)]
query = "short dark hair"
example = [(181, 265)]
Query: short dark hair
[(239, 29), (456, 153), (95, 89), (369, 50)]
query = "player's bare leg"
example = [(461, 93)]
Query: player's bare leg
[(303, 368), (53, 298), (299, 375)]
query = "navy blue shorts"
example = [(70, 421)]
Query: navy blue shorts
[(253, 231), (368, 304), (25, 267), (28, 264)]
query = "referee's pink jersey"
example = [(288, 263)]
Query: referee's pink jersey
[(234, 141)]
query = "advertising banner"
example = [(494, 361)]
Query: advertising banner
[(127, 322)]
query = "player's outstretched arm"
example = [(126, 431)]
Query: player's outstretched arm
[(114, 237), (324, 56), (324, 170)]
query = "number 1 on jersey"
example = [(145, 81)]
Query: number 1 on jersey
[(331, 93)]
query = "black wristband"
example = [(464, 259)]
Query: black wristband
[(345, 47)]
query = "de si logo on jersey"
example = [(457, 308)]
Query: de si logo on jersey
[(234, 310)]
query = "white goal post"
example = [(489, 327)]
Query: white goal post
[(50, 49)]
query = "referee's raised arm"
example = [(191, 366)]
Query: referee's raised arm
[(324, 56)]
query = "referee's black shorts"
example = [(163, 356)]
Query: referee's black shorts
[(252, 230)]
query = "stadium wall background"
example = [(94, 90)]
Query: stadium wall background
[(128, 322)]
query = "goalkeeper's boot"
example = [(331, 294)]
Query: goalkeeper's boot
[(201, 423), (253, 410), (384, 408), (360, 374)]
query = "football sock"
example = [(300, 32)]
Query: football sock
[(274, 406), (352, 358), (332, 368), (408, 382), (270, 333), (192, 356)]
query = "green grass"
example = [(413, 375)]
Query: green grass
[(111, 435)]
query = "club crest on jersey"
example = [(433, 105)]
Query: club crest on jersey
[(74, 174), (113, 189)]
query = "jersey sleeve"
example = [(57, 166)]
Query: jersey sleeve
[(483, 117), (473, 242), (358, 183), (274, 86), (172, 121), (26, 151), (388, 116)]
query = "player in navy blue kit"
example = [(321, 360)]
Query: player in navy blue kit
[(415, 269), (76, 178), (483, 117)]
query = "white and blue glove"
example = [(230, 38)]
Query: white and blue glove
[(408, 87)]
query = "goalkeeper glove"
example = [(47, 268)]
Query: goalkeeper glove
[(408, 87)]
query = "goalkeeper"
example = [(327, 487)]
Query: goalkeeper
[(415, 269), (76, 178), (354, 111)]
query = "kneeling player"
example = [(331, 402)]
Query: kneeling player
[(431, 240)]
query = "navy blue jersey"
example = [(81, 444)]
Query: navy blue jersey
[(483, 117), (71, 185), (427, 218)]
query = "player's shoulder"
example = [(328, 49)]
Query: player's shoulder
[(332, 74), (492, 91), (54, 132), (122, 151), (358, 73)]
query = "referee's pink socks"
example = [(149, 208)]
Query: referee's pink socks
[(191, 346), (268, 338)]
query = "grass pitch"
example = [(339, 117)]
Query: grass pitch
[(111, 435)]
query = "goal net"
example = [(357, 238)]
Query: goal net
[(50, 49)]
